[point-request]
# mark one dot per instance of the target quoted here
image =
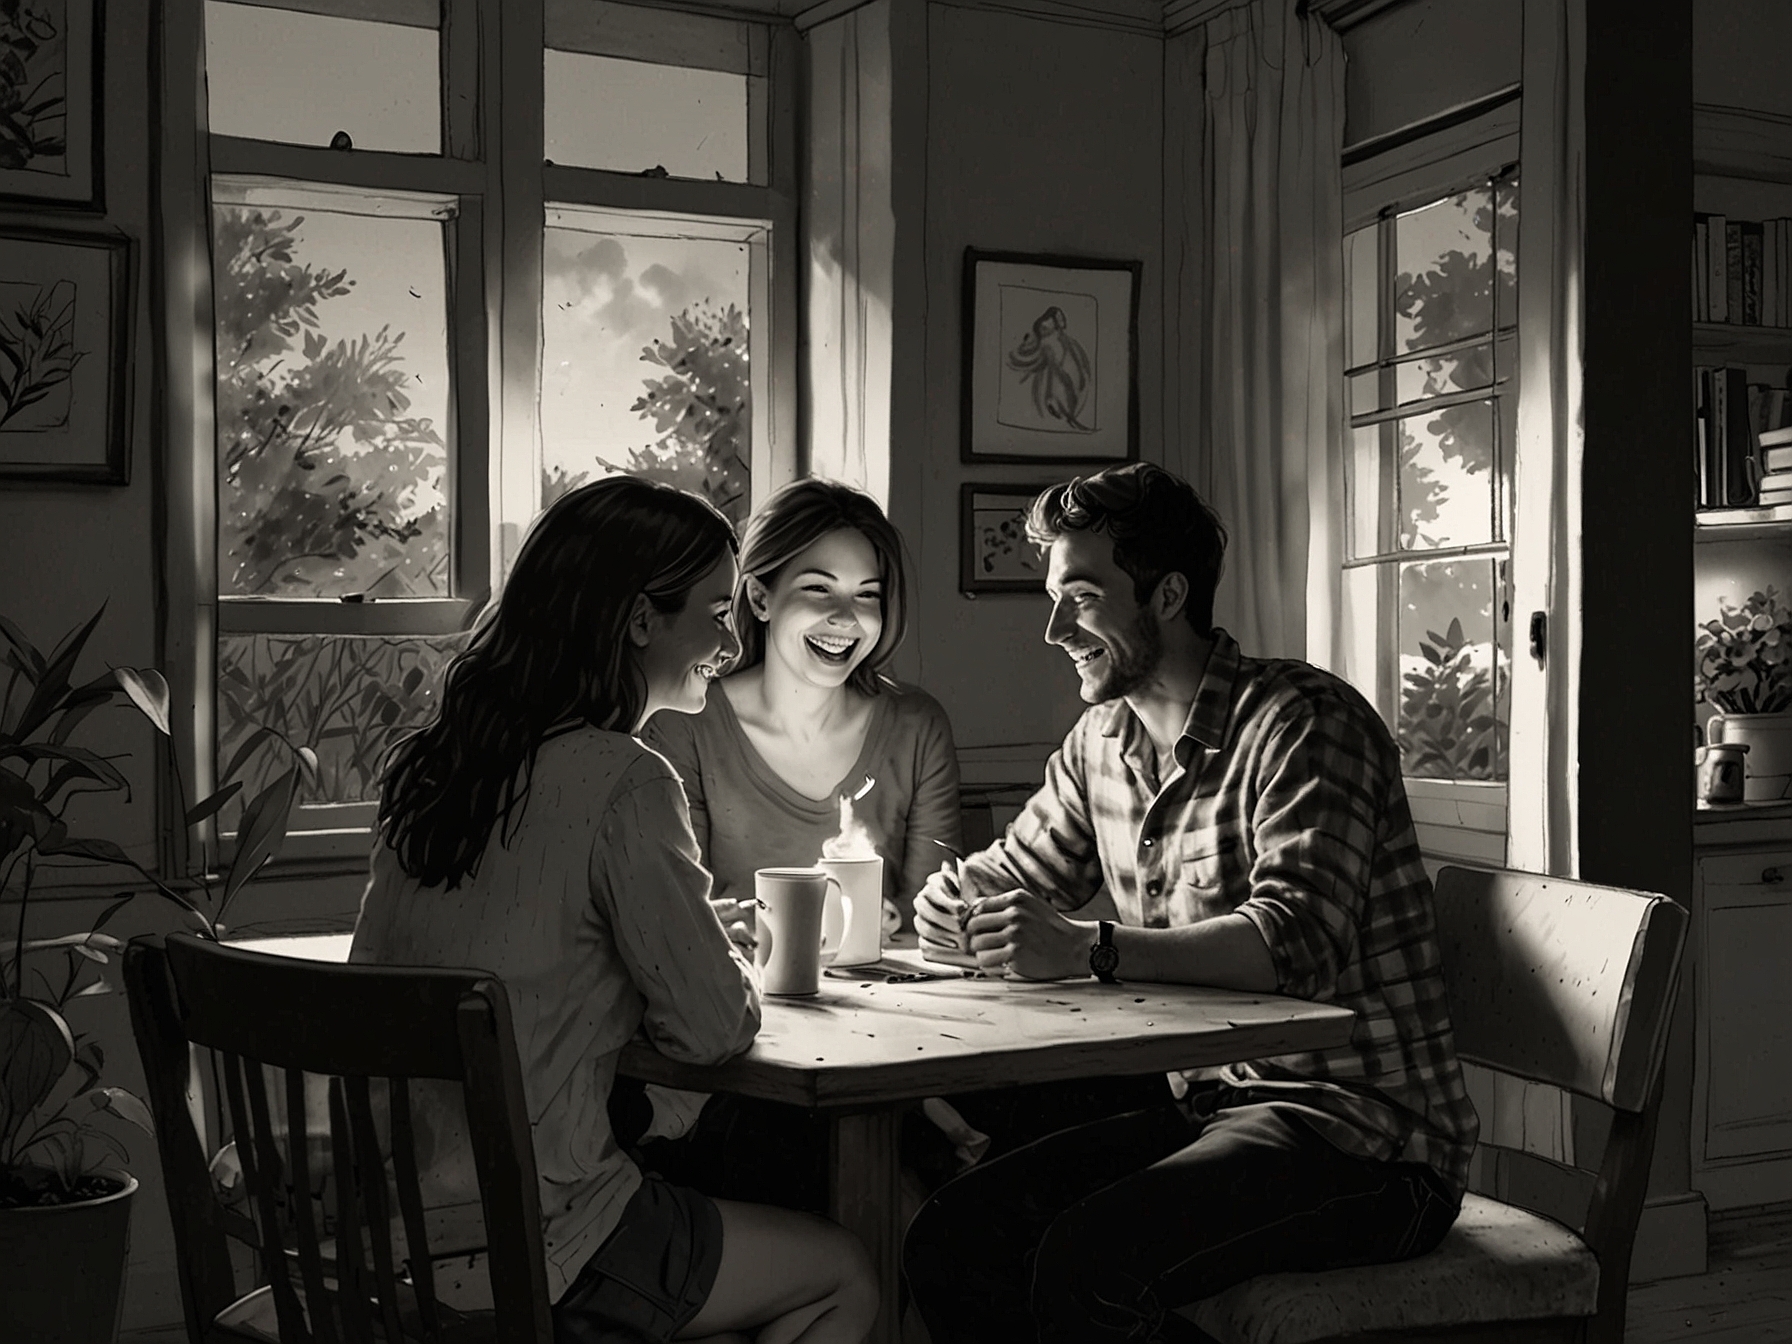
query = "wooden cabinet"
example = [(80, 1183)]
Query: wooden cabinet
[(1742, 978)]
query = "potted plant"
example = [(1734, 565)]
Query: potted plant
[(1744, 671), (64, 1195)]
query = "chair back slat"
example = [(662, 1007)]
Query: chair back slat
[(324, 1211), (410, 1203), (202, 1255), (262, 1174), (352, 1285), (1558, 981), (518, 1269), (370, 1176), (299, 1209)]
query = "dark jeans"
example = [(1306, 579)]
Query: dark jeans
[(1097, 1232)]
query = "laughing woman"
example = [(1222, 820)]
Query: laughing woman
[(808, 712), (526, 831), (804, 717)]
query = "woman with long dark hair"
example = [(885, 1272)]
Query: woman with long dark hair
[(526, 831)]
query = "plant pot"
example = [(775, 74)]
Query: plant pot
[(1767, 771), (62, 1268)]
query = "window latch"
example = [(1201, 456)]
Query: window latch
[(1539, 635)]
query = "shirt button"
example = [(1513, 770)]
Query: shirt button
[(1153, 887), (1147, 842)]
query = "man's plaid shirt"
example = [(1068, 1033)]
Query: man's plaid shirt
[(1287, 806)]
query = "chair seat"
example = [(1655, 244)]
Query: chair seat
[(1496, 1263), (252, 1319)]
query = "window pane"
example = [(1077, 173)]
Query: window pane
[(1446, 477), (332, 402), (348, 697), (1440, 375), (1370, 491), (645, 362), (634, 117), (378, 81), (1365, 392), (1444, 255), (1454, 659), (1361, 276), (1506, 251)]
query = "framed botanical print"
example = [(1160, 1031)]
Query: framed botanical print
[(50, 102), (65, 323), (1051, 348)]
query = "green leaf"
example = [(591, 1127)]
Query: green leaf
[(254, 740), (148, 690), (262, 833), (125, 1105), (101, 851), (27, 651), (207, 807), (53, 685), (36, 1049), (123, 899)]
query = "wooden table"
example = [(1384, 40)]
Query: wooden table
[(862, 1050)]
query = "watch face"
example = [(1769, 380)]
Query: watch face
[(1104, 959)]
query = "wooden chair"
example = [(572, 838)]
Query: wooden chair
[(370, 1272), (1555, 981)]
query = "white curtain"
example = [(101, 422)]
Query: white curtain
[(1271, 424), (850, 240)]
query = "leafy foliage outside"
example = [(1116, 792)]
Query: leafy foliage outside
[(1451, 716), (701, 408), (347, 698), (1451, 724), (321, 467)]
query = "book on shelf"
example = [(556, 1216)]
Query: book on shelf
[(1781, 513), (1728, 438), (1742, 270)]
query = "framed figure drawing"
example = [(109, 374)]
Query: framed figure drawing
[(994, 555), (65, 321), (1051, 348), (50, 101)]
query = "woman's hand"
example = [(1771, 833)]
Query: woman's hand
[(1021, 934), (733, 914)]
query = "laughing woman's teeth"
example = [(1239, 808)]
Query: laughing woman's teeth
[(830, 648)]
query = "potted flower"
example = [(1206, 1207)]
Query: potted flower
[(64, 1195), (1744, 671)]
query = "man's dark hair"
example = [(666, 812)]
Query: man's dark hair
[(1158, 525)]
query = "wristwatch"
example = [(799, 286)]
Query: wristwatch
[(1104, 957)]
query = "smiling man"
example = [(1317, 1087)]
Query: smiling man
[(1249, 820)]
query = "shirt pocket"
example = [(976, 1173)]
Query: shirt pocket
[(1209, 860)]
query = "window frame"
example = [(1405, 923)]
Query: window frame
[(1455, 819), (492, 167)]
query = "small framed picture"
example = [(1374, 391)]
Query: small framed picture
[(50, 92), (1051, 347), (994, 555), (65, 322)]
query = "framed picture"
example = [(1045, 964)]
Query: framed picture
[(65, 323), (994, 555), (1051, 352), (50, 86)]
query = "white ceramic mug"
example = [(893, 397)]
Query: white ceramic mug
[(792, 946), (852, 919)]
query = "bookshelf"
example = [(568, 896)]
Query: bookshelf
[(1740, 1153)]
